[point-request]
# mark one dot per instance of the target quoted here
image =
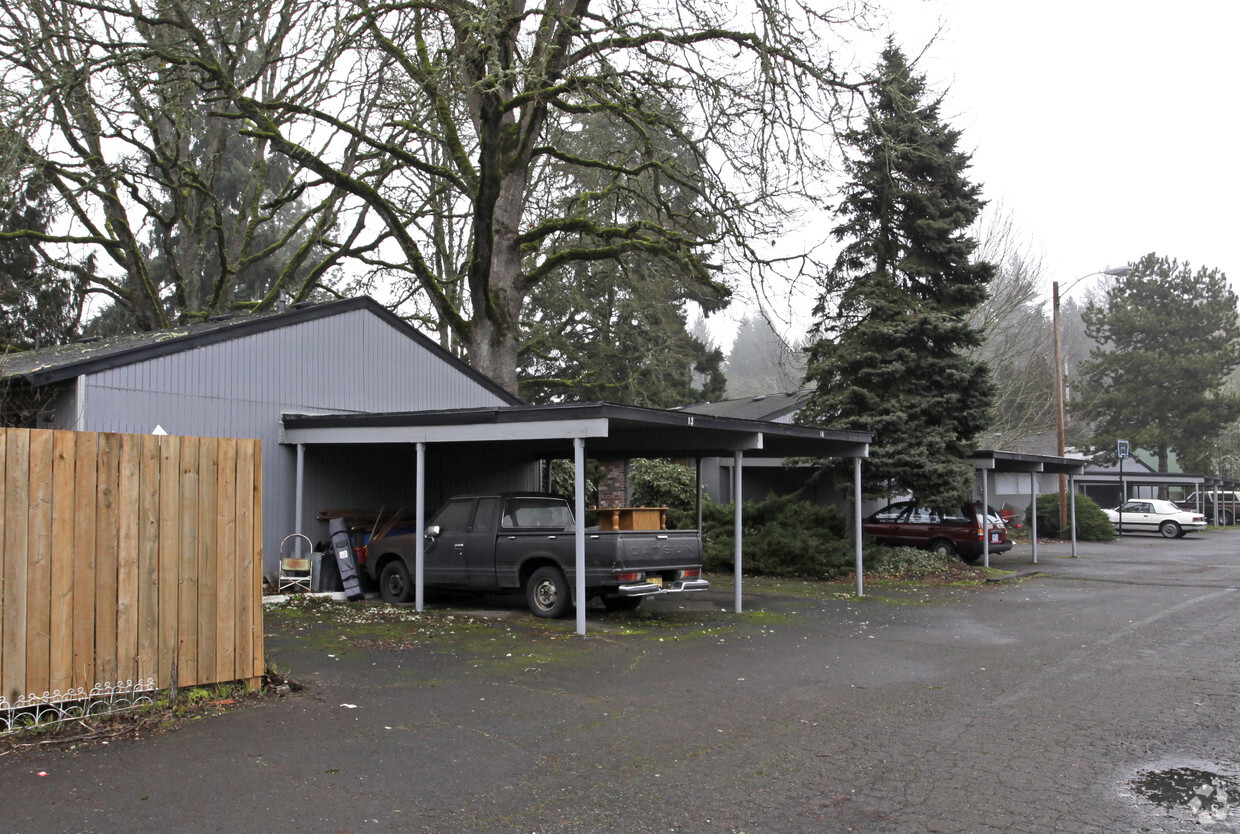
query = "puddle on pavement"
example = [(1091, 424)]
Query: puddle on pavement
[(1207, 795)]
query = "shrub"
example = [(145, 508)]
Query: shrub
[(907, 562), (1092, 525), (790, 538), (563, 479), (784, 536), (655, 482)]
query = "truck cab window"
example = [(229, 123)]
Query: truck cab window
[(454, 517), (537, 514), (485, 517)]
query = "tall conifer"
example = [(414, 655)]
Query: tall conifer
[(888, 347), (1168, 338)]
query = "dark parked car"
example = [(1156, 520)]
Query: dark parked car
[(910, 525)]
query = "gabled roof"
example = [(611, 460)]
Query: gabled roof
[(764, 407), (62, 362)]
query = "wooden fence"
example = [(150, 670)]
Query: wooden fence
[(126, 559)]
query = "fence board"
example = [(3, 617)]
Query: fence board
[(128, 527), (39, 566), (258, 662), (187, 629), (148, 559), (16, 506), (208, 555), (3, 615), (84, 489), (226, 576), (245, 560), (64, 459), (106, 542), (169, 555), (124, 557)]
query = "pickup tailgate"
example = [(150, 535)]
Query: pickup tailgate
[(645, 562)]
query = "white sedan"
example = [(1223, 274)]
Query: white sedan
[(1150, 515)]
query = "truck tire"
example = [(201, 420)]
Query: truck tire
[(546, 592), (394, 584), (615, 603), (1170, 530)]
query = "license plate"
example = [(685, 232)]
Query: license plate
[(994, 538), (655, 580)]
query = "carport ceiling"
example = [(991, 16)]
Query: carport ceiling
[(542, 431)]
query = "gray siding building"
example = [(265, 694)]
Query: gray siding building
[(236, 377)]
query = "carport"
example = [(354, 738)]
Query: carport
[(988, 461), (543, 432)]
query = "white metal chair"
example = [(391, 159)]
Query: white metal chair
[(295, 572)]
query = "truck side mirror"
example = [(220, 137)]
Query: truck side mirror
[(432, 532)]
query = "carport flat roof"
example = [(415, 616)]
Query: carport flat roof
[(609, 428), (1018, 462)]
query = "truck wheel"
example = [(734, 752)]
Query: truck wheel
[(619, 603), (546, 592), (394, 584), (1169, 530), (1228, 518)]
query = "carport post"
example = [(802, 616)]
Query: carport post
[(1072, 515), (1215, 523), (579, 528), (301, 477), (698, 470), (736, 523), (857, 525), (419, 524), (985, 519), (1033, 506)]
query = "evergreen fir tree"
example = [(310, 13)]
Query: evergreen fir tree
[(617, 329), (760, 363), (887, 352), (1168, 338), (39, 304)]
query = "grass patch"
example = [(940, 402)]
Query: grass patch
[(364, 625)]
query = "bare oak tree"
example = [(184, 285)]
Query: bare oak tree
[(159, 198), (1017, 337), (441, 123)]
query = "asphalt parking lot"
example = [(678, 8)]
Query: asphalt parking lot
[(1096, 694)]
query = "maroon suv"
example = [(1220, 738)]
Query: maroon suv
[(904, 523)]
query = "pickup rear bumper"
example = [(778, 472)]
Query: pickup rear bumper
[(646, 589)]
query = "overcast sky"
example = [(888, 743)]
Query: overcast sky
[(1105, 129)]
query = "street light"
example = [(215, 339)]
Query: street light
[(1116, 272)]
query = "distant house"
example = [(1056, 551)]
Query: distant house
[(237, 376), (1105, 482)]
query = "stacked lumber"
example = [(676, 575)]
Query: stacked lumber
[(377, 523)]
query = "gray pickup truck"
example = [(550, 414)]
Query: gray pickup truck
[(525, 542)]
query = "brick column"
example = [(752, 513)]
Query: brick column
[(613, 484)]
